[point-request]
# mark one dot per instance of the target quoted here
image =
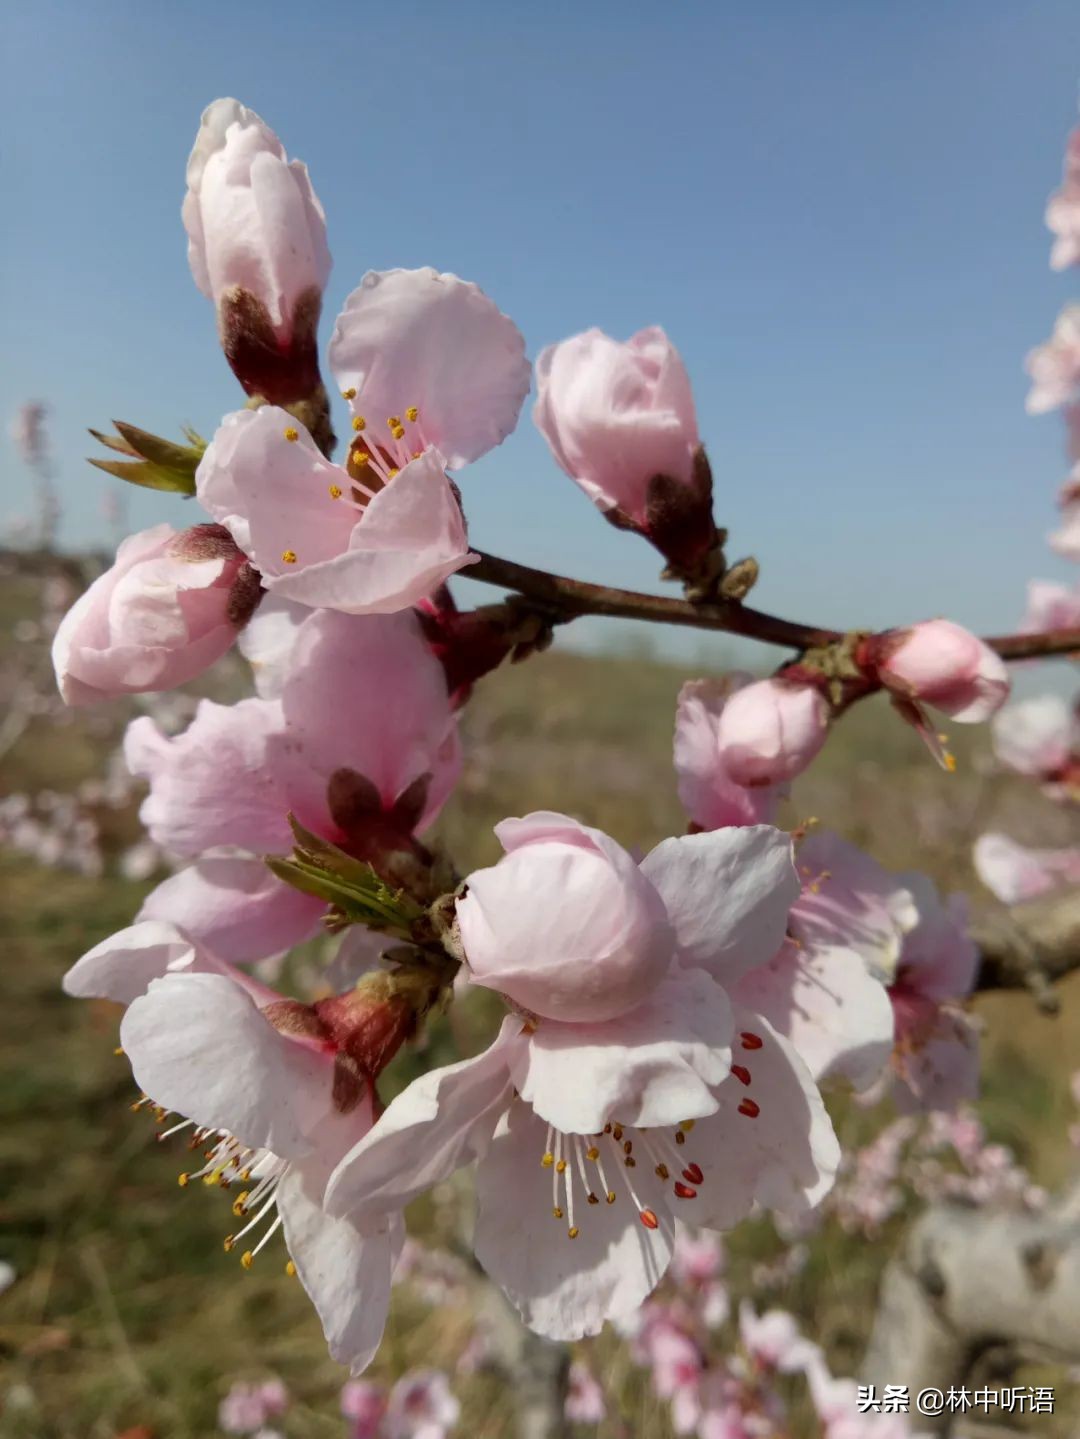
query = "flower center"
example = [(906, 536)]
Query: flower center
[(597, 1160)]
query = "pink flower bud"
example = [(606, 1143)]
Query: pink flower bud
[(566, 924), (770, 731), (257, 248), (943, 665), (619, 418), (169, 607)]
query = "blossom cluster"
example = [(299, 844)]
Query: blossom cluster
[(670, 1020)]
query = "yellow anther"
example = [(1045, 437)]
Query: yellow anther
[(593, 1153), (560, 1167), (949, 761), (292, 434), (349, 394), (687, 1125), (227, 1243), (573, 1233), (290, 1269), (245, 1175), (393, 422), (247, 1259), (393, 473), (611, 1196), (288, 557), (416, 454), (398, 432), (557, 1212), (412, 414), (335, 492), (359, 423), (360, 458), (548, 1160), (239, 1207), (183, 1180), (118, 1050)]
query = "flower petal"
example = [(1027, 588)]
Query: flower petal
[(121, 967), (653, 1066), (345, 1269), (770, 1141), (199, 1045), (564, 1288), (415, 338), (439, 1123), (236, 907), (728, 894)]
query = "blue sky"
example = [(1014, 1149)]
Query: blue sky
[(834, 209)]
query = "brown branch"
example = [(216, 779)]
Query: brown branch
[(1030, 945), (567, 599)]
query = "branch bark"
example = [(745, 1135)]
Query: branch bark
[(1030, 945), (968, 1284), (565, 599)]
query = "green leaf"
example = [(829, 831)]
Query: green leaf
[(151, 477)]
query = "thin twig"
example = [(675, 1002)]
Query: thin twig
[(566, 599)]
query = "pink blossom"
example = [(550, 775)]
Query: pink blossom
[(1063, 210), (771, 730), (1014, 873), (274, 1090), (321, 534), (619, 418), (364, 1404), (711, 798), (585, 1402), (257, 248), (566, 925), (1054, 367), (421, 1406), (247, 1407), (773, 1340), (698, 1258), (1040, 737), (370, 781), (434, 354), (1051, 606), (167, 609), (940, 664), (550, 1108)]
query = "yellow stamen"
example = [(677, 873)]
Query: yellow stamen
[(398, 432), (290, 1269), (359, 423), (360, 458), (288, 557), (557, 1212), (239, 1207), (573, 1233), (227, 1243), (393, 422), (118, 1050), (412, 414), (335, 492), (247, 1259), (593, 1153), (393, 473), (292, 435), (687, 1125), (560, 1168), (349, 394), (611, 1196), (183, 1180), (548, 1160)]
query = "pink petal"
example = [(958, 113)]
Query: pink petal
[(199, 1045), (121, 967), (710, 796), (563, 1288), (651, 1067), (415, 338), (236, 907), (728, 894)]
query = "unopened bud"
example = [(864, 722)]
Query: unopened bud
[(771, 730), (940, 664)]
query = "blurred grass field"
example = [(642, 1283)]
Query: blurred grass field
[(126, 1318)]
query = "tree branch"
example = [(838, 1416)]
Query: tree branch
[(1030, 945), (566, 599)]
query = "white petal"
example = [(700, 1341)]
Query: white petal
[(728, 893), (564, 1288), (121, 967), (440, 1122), (653, 1066), (199, 1045), (345, 1271)]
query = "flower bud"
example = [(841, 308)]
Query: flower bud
[(166, 610), (565, 925), (257, 248), (770, 731), (943, 665), (619, 418)]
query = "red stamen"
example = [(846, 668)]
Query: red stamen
[(741, 1073), (683, 1191), (649, 1219), (751, 1040), (750, 1109), (693, 1173)]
